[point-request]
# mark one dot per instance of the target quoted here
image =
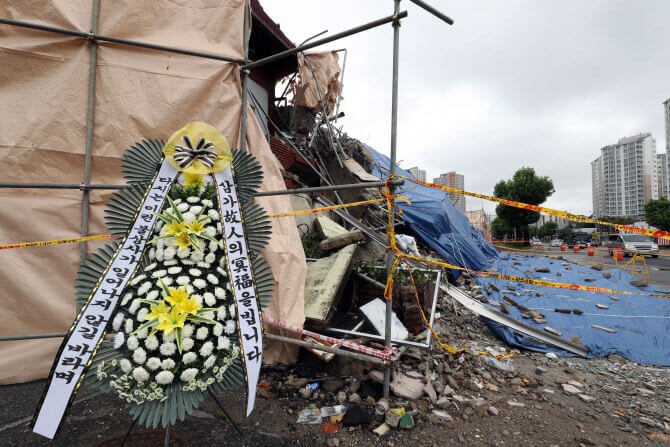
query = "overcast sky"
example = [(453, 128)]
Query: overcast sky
[(544, 84)]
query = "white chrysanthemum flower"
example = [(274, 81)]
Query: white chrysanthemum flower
[(142, 314), (188, 217), (144, 288), (174, 270), (187, 344), (210, 300), (218, 330), (140, 374), (167, 281), (183, 253), (230, 327), (126, 298), (176, 201), (200, 283), (196, 256), (219, 228), (195, 210), (187, 330), (209, 314), (167, 364), (229, 287), (213, 214), (232, 311), (153, 363), (125, 365), (152, 253), (169, 253), (223, 343), (212, 279), (160, 255), (142, 334), (204, 265), (201, 333), (137, 280), (211, 257), (153, 294), (128, 326), (168, 348), (198, 299), (183, 280), (221, 313), (170, 263), (209, 362), (132, 343), (220, 293), (194, 272), (119, 339), (188, 374), (139, 356), (160, 244), (164, 377), (213, 246), (159, 273), (206, 349), (210, 230), (193, 199), (151, 343), (116, 322), (189, 289), (134, 306), (187, 262), (183, 207), (208, 203), (189, 357), (150, 267), (169, 336)]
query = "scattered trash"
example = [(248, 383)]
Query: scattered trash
[(375, 312), (382, 430), (498, 364)]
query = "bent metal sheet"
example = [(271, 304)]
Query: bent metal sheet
[(84, 336)]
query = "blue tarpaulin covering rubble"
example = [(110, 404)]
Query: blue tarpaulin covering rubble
[(641, 323)]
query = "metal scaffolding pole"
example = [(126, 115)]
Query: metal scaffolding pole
[(398, 15), (245, 81), (90, 116), (100, 38), (394, 144)]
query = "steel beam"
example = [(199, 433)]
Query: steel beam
[(433, 11)]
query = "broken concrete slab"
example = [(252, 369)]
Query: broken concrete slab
[(328, 228), (341, 240), (325, 283), (375, 312), (406, 387)]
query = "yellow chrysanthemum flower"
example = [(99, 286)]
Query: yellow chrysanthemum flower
[(176, 320), (182, 240), (177, 296), (193, 180), (188, 306), (175, 228), (195, 228), (158, 312)]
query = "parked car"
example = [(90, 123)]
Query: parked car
[(556, 242), (631, 243)]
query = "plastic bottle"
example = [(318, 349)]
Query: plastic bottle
[(503, 366)]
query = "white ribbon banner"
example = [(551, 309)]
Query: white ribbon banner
[(84, 336), (243, 285)]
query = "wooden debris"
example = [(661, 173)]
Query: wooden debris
[(595, 326), (602, 306), (551, 330), (341, 240)]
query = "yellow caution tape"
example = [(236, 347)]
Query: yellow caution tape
[(57, 241), (334, 207), (541, 209)]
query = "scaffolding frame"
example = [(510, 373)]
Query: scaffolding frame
[(245, 67)]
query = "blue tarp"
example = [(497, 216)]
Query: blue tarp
[(642, 323)]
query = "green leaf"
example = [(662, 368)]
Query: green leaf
[(164, 287), (146, 325), (163, 217), (175, 210), (159, 238), (178, 337), (200, 319), (194, 242), (211, 239), (152, 302)]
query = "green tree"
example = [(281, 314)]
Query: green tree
[(657, 213), (499, 229), (525, 186), (548, 229)]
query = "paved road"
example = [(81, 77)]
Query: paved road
[(659, 268)]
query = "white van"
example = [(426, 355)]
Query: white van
[(632, 243)]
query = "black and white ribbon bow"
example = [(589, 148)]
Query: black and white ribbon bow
[(203, 152)]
